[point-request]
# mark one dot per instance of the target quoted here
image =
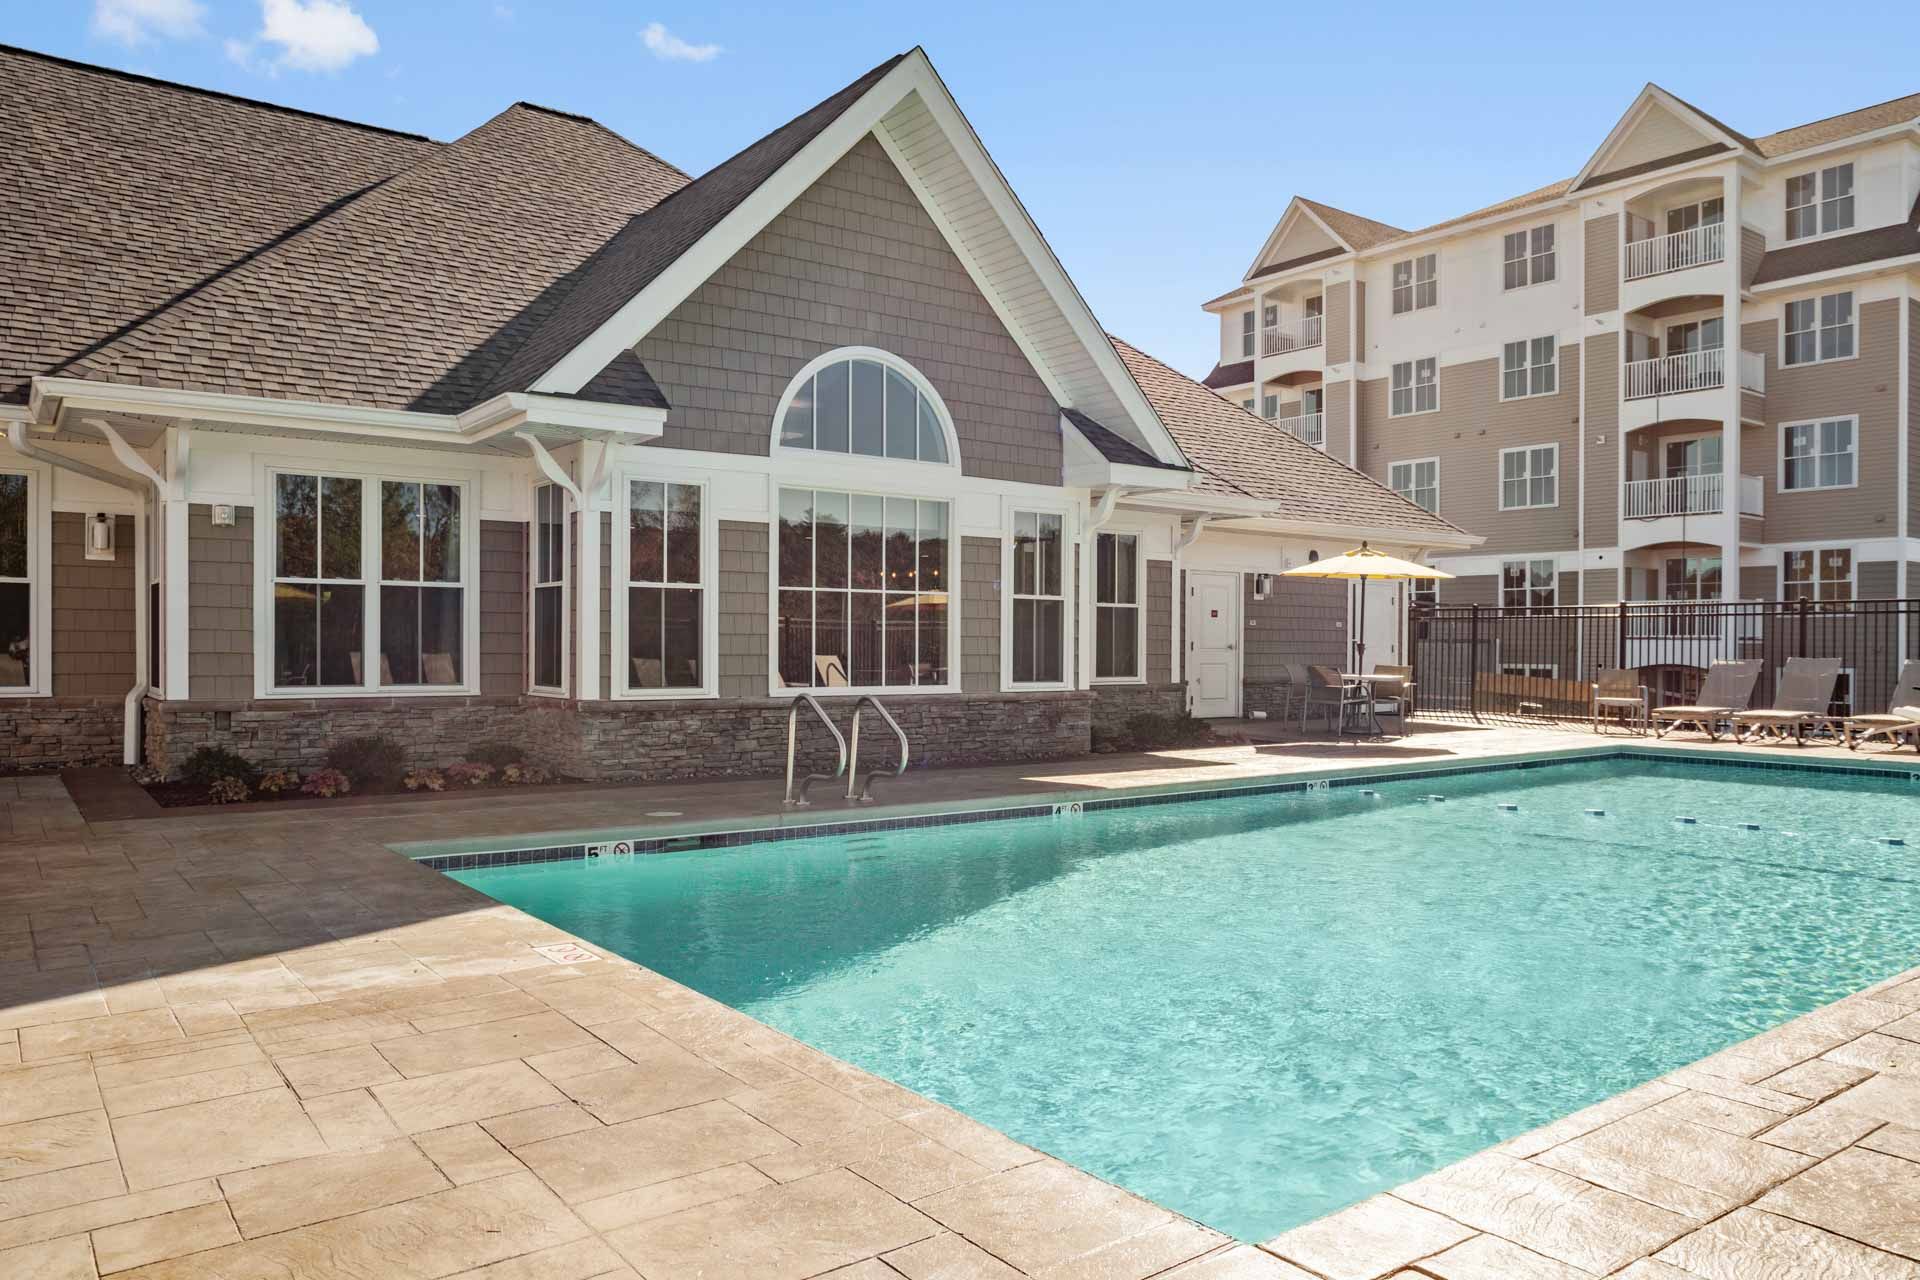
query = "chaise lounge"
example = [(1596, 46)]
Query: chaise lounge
[(1728, 689), (1805, 694), (1901, 718)]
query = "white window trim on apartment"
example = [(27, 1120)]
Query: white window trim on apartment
[(1818, 329), (370, 474), (1539, 266), (39, 580), (1816, 550), (1415, 284), (1852, 453), (1528, 563), (1527, 477), (622, 686), (1412, 484), (1013, 509), (536, 584), (1138, 606), (1249, 334), (1821, 204), (1529, 368), (1414, 386)]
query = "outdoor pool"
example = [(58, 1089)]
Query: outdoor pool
[(1257, 1010)]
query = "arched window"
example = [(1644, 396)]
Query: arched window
[(862, 401)]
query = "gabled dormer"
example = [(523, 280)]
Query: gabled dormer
[(1310, 232), (1657, 131)]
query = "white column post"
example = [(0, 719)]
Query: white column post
[(174, 573), (1730, 394)]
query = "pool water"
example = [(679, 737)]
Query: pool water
[(1258, 1010)]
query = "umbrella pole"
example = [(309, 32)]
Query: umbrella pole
[(1360, 641)]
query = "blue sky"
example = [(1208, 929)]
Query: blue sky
[(1154, 144)]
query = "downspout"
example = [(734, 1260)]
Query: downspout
[(130, 749)]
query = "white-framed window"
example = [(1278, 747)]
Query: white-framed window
[(1416, 283), (369, 583), (863, 599), (1530, 477), (1530, 367), (1528, 584), (1823, 575), (1418, 481), (1038, 634), (1820, 202), (1246, 334), (1529, 257), (1269, 406), (1247, 404), (1820, 455), (1423, 591), (25, 574), (1818, 329), (1117, 615), (666, 611), (865, 403), (548, 626), (1537, 670), (1415, 387), (1269, 316)]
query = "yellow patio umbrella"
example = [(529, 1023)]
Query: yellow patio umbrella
[(1366, 565)]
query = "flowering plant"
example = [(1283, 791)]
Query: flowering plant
[(326, 783), (228, 791), (469, 774), (280, 780), (424, 780)]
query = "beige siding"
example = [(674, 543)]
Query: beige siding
[(1603, 264), (1467, 433), (219, 605), (1602, 478), (503, 606), (1339, 436), (1159, 657), (1865, 386), (1759, 582), (854, 260), (1877, 579), (1338, 349), (744, 608), (1753, 247), (93, 606), (1603, 587), (1300, 621), (1360, 319), (980, 615), (1480, 589)]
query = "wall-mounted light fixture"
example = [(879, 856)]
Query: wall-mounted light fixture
[(100, 536)]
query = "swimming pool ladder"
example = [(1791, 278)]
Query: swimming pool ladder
[(797, 796), (886, 717)]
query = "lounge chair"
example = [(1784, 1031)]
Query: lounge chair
[(1619, 689), (1802, 701), (1901, 719), (1728, 688)]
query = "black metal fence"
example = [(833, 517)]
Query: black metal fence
[(1533, 664)]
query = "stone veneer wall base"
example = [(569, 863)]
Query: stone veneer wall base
[(41, 733), (1115, 704)]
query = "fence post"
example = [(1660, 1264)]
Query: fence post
[(1473, 662), (1804, 609), (1620, 657)]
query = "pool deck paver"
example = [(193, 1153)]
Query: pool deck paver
[(235, 1045)]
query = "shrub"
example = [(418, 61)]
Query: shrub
[(531, 775), (372, 764), (424, 780), (208, 765), (498, 754), (229, 791), (327, 783), (280, 780), (1156, 731), (469, 773)]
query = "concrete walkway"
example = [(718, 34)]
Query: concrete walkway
[(264, 1044)]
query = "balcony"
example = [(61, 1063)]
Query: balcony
[(1697, 495), (1673, 375), (1294, 335), (1696, 247), (1684, 633), (1309, 428)]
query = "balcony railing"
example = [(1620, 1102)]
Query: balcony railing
[(1292, 335), (1308, 427), (1694, 495), (1695, 247), (1753, 372), (1671, 375)]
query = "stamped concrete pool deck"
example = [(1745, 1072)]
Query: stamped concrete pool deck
[(237, 1045)]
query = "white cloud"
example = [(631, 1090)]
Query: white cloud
[(668, 47), (135, 21), (310, 35)]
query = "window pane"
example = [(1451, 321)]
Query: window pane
[(1026, 640), (1126, 587), (933, 546), (16, 635), (902, 521), (1026, 552), (296, 526), (865, 639), (342, 635), (900, 657), (830, 539), (682, 631), (796, 537), (1049, 641), (830, 408), (869, 518), (646, 531), (796, 429), (933, 442), (683, 533), (932, 620), (400, 532), (440, 533), (830, 640), (549, 557), (902, 428), (1049, 555), (295, 635), (339, 528), (13, 526), (793, 630), (547, 602), (400, 635), (869, 408), (646, 659), (442, 628), (1115, 643)]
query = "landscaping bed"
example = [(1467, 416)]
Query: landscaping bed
[(357, 768)]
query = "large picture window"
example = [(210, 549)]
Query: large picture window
[(17, 551), (319, 583), (665, 604), (863, 596), (1116, 607), (862, 406), (549, 627), (1039, 599)]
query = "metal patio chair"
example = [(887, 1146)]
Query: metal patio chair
[(1619, 689)]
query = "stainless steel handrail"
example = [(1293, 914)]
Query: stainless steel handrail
[(797, 798), (866, 792)]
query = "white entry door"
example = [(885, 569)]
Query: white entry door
[(1213, 643), (1383, 616)]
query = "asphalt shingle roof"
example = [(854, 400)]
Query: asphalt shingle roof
[(1113, 446), (1239, 454)]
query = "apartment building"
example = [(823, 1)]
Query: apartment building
[(1690, 371)]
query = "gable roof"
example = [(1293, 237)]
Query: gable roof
[(1848, 124), (1238, 454), (1360, 233), (1115, 447)]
